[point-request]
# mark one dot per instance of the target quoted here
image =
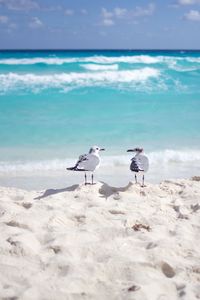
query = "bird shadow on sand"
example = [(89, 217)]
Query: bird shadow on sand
[(106, 190), (50, 192)]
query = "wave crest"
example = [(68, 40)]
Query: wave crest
[(134, 59), (173, 156), (74, 79), (157, 158), (95, 67)]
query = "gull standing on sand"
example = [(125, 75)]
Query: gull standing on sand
[(139, 163), (88, 162)]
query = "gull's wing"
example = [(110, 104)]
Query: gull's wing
[(134, 165), (81, 159), (91, 163), (139, 163)]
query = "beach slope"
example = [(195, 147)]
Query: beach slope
[(101, 242)]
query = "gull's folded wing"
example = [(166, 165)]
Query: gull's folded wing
[(81, 159)]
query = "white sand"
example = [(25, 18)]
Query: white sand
[(78, 242)]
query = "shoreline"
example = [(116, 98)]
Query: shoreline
[(118, 175)]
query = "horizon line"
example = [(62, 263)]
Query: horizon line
[(98, 49)]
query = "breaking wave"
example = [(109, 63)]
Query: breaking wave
[(157, 159), (141, 59), (95, 67), (37, 60), (65, 80)]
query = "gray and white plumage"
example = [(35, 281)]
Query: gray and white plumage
[(88, 162), (139, 163)]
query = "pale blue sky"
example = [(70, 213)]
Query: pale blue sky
[(85, 24)]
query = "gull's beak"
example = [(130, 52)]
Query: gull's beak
[(102, 149), (130, 150)]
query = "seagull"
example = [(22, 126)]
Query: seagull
[(139, 163), (88, 162)]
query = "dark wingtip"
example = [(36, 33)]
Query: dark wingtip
[(76, 169), (70, 169)]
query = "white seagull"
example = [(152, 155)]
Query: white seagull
[(139, 163), (88, 162)]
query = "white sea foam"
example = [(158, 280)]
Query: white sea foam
[(183, 69), (92, 59), (95, 67), (62, 80), (142, 59), (37, 60), (174, 156), (159, 159)]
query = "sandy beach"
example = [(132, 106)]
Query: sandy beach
[(103, 92), (101, 242)]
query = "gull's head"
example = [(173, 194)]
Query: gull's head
[(95, 149), (136, 150)]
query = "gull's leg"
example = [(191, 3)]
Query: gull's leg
[(143, 180), (135, 178), (92, 178), (85, 179)]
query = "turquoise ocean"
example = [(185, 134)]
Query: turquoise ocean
[(54, 105)]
